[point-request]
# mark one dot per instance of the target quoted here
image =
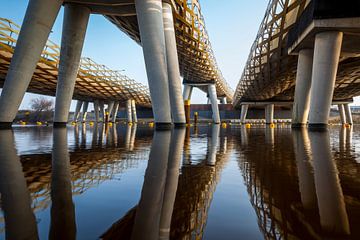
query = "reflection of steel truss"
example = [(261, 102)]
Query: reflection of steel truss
[(196, 58), (94, 81)]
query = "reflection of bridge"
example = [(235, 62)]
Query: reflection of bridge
[(303, 45), (172, 44)]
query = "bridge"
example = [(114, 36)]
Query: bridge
[(306, 54), (174, 41)]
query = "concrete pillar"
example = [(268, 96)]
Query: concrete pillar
[(223, 100), (96, 110), (38, 21), (215, 131), (102, 110), (148, 213), (301, 105), (326, 60), (342, 114), (85, 111), (61, 190), (128, 111), (330, 198), (76, 18), (172, 178), (115, 112), (348, 114), (269, 113), (15, 196), (110, 108), (244, 110), (133, 109), (151, 26), (77, 110), (214, 103), (187, 92), (176, 98)]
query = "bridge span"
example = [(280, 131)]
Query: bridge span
[(174, 41), (306, 54)]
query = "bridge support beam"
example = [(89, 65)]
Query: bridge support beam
[(342, 114), (151, 26), (176, 98), (96, 110), (301, 104), (74, 28), (85, 111), (77, 110), (115, 112), (348, 115), (214, 103), (244, 110), (39, 19), (269, 113), (129, 111), (102, 110), (133, 109), (326, 60)]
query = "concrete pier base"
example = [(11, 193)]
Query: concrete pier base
[(38, 21), (214, 103), (301, 104), (76, 18), (326, 60)]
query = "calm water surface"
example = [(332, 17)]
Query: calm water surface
[(208, 182)]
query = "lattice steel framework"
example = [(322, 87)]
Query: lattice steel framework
[(196, 58), (270, 72), (94, 81)]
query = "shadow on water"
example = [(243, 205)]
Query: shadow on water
[(297, 183)]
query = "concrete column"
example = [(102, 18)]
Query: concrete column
[(38, 21), (348, 114), (269, 113), (15, 196), (244, 110), (85, 111), (96, 110), (151, 26), (214, 103), (77, 110), (223, 100), (215, 131), (76, 18), (330, 198), (187, 92), (326, 60), (133, 109), (110, 107), (62, 205), (115, 112), (342, 114), (301, 105), (176, 98), (129, 112), (102, 110)]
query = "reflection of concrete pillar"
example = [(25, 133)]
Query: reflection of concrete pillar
[(326, 60), (304, 166), (133, 109), (348, 115), (128, 137), (342, 114), (244, 110), (215, 131), (77, 110), (176, 98), (129, 112), (269, 135), (15, 197), (187, 92), (244, 135), (85, 111), (187, 149), (133, 137), (214, 103), (83, 135), (172, 178), (332, 211), (151, 26), (63, 224), (76, 18), (95, 135), (269, 113), (38, 21), (96, 110), (115, 112), (302, 88), (147, 219)]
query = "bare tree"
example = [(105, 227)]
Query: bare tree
[(42, 106)]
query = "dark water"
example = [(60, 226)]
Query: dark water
[(127, 182)]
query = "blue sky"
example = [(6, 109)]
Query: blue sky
[(231, 24)]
